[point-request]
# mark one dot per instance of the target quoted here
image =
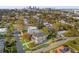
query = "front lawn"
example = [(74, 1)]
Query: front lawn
[(74, 44)]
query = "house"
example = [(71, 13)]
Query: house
[(8, 18), (62, 21), (76, 17), (26, 17), (76, 12), (16, 17), (62, 49), (39, 37), (39, 20), (25, 21), (60, 33), (36, 17), (3, 30), (0, 18), (47, 24), (32, 29), (38, 14)]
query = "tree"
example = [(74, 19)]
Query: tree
[(32, 21), (10, 46), (72, 32), (52, 34), (45, 30), (26, 36), (57, 26), (20, 24), (40, 25)]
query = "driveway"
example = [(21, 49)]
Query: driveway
[(1, 45)]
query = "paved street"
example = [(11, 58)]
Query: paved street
[(18, 43), (53, 45), (1, 45)]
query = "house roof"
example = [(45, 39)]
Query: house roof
[(32, 27), (3, 29), (39, 34), (58, 49), (61, 32)]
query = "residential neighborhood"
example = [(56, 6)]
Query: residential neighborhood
[(39, 30)]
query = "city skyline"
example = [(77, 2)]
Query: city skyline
[(56, 7)]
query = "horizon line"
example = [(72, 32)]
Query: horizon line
[(56, 7)]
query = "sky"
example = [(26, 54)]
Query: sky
[(60, 4)]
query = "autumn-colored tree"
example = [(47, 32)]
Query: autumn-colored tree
[(20, 25), (26, 37), (32, 21)]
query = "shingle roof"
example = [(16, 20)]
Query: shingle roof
[(40, 34)]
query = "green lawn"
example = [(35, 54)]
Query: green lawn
[(29, 45), (74, 44)]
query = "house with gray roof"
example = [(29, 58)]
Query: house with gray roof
[(39, 37)]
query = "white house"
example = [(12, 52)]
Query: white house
[(39, 37), (32, 29), (76, 17), (3, 30), (36, 17), (25, 21), (62, 21), (47, 24), (38, 14), (60, 33)]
